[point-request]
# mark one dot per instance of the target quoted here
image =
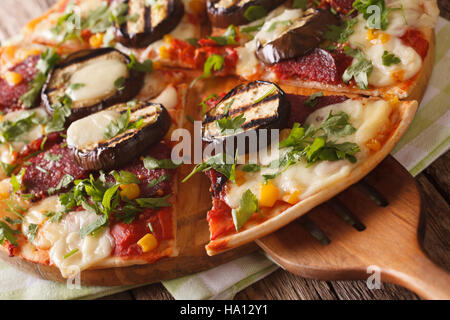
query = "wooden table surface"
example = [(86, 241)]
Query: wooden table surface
[(434, 184)]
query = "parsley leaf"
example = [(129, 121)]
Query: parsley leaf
[(65, 181), (61, 111), (153, 183), (122, 124), (6, 233), (255, 12), (32, 231), (360, 69), (13, 131), (389, 59), (125, 177), (146, 66), (47, 61), (313, 99), (151, 163), (373, 20), (227, 124), (299, 4), (228, 38), (248, 205), (221, 162), (340, 33)]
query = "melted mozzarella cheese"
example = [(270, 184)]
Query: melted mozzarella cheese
[(96, 82), (418, 14), (34, 133), (168, 98), (63, 237), (368, 118), (247, 64), (90, 130)]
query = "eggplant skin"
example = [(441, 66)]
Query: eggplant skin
[(223, 17), (132, 85), (150, 35), (278, 121), (125, 147), (298, 41)]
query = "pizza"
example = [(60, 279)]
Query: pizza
[(297, 100)]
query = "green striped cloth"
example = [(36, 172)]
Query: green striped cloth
[(427, 139)]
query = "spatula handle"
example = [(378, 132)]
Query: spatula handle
[(420, 275)]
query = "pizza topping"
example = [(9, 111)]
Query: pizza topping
[(332, 141), (318, 65), (248, 205), (82, 79), (253, 106), (151, 21), (281, 39), (360, 69), (46, 176), (222, 13), (111, 138)]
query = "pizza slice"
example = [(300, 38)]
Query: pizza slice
[(261, 182), (147, 29), (340, 46), (105, 194)]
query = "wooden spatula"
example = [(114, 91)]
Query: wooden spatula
[(373, 223)]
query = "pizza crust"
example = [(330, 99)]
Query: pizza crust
[(282, 215)]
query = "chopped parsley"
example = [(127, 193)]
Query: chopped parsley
[(6, 233), (32, 231), (360, 69), (125, 177), (214, 62), (151, 163), (47, 61), (228, 124), (122, 124), (228, 38), (52, 157), (62, 109), (65, 181), (299, 4), (389, 59), (255, 12), (248, 205), (313, 99), (71, 253), (146, 66), (14, 130), (153, 183), (222, 162), (340, 33), (204, 103), (370, 14)]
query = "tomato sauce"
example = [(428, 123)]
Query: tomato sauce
[(126, 235), (415, 39)]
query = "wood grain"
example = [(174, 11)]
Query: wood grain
[(283, 285)]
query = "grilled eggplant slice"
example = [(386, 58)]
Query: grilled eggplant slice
[(304, 34), (222, 13), (151, 21), (253, 106), (94, 80), (104, 141)]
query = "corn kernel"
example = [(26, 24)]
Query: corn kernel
[(373, 144), (375, 36), (130, 191), (13, 78), (96, 40), (148, 242), (292, 198), (269, 195), (164, 52)]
